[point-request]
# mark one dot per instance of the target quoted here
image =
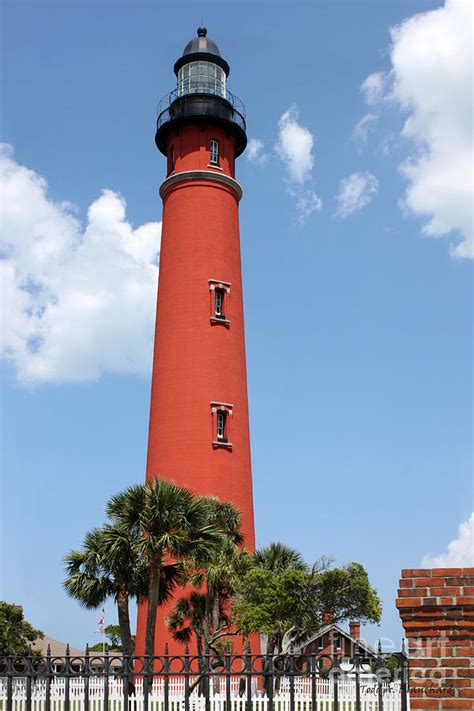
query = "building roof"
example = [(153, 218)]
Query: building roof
[(333, 626), (58, 649)]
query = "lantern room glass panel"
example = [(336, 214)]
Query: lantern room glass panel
[(201, 78)]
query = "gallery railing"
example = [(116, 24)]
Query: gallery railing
[(212, 682), (200, 102)]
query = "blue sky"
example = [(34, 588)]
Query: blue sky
[(356, 240)]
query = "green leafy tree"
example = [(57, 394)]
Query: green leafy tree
[(346, 593), (289, 605), (278, 559), (392, 667), (114, 636), (272, 604), (16, 634), (112, 632), (114, 643), (168, 523)]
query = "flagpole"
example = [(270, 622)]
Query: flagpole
[(103, 633), (101, 630)]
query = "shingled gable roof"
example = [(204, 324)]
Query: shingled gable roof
[(333, 626), (58, 649)]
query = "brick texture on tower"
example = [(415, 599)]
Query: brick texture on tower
[(437, 611)]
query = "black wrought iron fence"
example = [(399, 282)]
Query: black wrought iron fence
[(219, 682)]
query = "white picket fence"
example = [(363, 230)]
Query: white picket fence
[(260, 702)]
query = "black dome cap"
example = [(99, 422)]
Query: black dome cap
[(201, 47)]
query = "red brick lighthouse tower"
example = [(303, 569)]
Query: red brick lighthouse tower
[(199, 425)]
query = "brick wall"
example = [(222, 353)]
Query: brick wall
[(437, 610)]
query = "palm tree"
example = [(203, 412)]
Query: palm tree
[(187, 618), (206, 613), (218, 575), (279, 558), (171, 523), (107, 565)]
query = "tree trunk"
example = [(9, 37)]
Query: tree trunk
[(200, 655), (245, 651), (153, 597), (125, 631), (215, 627), (276, 641), (215, 616), (207, 618), (199, 647), (124, 622), (267, 680)]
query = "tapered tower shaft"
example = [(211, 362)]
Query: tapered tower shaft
[(199, 424)]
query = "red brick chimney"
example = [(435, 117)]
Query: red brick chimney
[(328, 617), (354, 630)]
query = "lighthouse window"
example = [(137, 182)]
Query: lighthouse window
[(201, 78), (219, 303), (214, 152), (221, 418), (171, 164)]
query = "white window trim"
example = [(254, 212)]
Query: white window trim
[(224, 408), (222, 286)]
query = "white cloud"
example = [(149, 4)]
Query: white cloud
[(431, 82), (460, 552), (361, 130), (307, 202), (374, 87), (254, 151), (355, 192), (294, 147), (77, 301)]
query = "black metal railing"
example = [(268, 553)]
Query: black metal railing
[(290, 682), (197, 103)]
